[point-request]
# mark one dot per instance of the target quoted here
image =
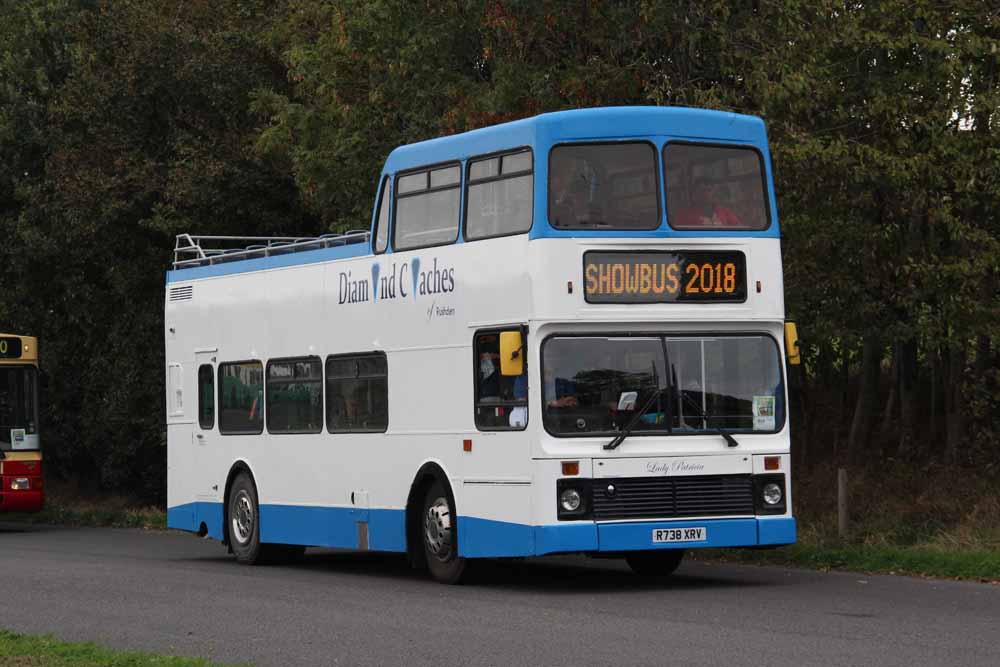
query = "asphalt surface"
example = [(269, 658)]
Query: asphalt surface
[(175, 593)]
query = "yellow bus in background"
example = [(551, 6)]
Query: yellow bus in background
[(21, 488)]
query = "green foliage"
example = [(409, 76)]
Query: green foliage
[(124, 123), (901, 521), (18, 649), (148, 133)]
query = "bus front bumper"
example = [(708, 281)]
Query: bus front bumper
[(716, 533), (479, 538), (21, 501)]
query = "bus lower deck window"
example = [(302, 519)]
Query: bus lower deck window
[(241, 397)]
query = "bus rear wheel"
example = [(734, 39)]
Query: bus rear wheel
[(440, 537), (243, 519), (655, 563)]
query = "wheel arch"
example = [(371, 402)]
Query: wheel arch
[(427, 474)]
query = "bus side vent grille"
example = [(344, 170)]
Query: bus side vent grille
[(185, 293), (666, 497)]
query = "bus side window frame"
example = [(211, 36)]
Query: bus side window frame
[(384, 189), (267, 394), (476, 378), (428, 188), (501, 176), (327, 394), (263, 385)]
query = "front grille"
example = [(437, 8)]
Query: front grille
[(667, 497)]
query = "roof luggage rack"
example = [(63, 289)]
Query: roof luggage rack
[(191, 251)]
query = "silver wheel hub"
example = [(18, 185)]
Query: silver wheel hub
[(242, 518), (437, 529)]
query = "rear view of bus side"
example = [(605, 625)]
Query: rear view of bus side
[(563, 334)]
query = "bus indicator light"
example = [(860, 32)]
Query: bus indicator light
[(570, 468), (772, 463), (467, 445)]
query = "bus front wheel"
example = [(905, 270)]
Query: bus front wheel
[(440, 536), (655, 563)]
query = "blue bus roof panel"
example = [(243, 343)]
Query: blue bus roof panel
[(580, 125)]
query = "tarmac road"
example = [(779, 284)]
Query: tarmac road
[(173, 593)]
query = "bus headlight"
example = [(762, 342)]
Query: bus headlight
[(570, 500), (771, 493), (20, 484)]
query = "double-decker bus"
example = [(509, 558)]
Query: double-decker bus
[(563, 334), (21, 488)]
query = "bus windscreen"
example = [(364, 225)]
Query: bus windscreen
[(711, 187), (604, 186), (592, 385), (18, 409)]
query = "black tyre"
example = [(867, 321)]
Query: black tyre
[(243, 523), (655, 563), (438, 526)]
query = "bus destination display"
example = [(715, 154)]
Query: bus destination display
[(665, 277), (10, 348)]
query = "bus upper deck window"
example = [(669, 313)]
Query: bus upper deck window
[(714, 187), (499, 196), (382, 224), (604, 186), (427, 208)]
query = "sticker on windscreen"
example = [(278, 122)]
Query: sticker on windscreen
[(763, 413), (17, 438)]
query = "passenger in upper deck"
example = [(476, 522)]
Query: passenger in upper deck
[(706, 209), (569, 195)]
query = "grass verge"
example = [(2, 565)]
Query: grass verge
[(66, 507), (937, 521), (981, 566), (32, 651)]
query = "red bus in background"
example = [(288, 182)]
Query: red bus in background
[(21, 488)]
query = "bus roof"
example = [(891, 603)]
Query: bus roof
[(580, 125), (540, 132)]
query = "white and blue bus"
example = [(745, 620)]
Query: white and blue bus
[(563, 334)]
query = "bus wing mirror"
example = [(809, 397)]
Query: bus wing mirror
[(792, 343), (511, 353)]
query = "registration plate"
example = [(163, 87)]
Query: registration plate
[(697, 534)]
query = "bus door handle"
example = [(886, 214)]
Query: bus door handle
[(200, 437)]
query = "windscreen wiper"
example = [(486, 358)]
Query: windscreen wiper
[(627, 431), (726, 435)]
